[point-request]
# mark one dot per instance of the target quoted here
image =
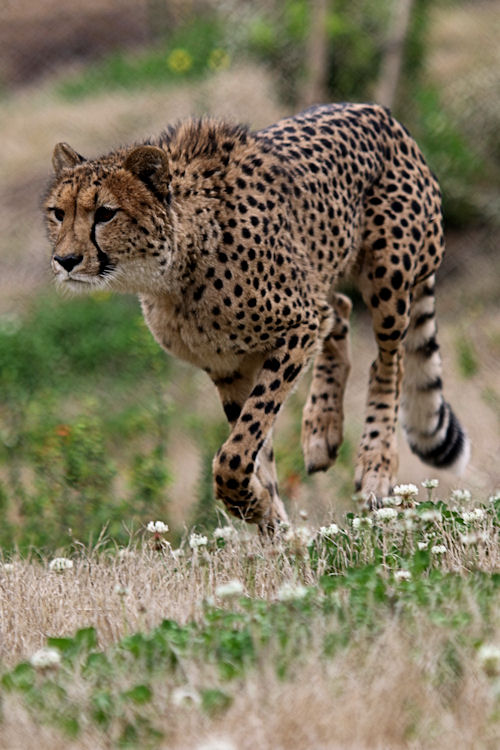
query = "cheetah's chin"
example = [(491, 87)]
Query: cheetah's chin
[(74, 285)]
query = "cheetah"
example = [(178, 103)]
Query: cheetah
[(235, 242)]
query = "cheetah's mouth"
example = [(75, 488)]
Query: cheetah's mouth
[(80, 282)]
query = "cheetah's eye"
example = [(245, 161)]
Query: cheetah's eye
[(104, 214), (58, 213)]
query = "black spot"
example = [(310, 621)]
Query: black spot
[(385, 294), (396, 279), (258, 390), (199, 293), (234, 462), (272, 364)]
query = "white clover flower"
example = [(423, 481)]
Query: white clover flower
[(390, 501), (406, 524), (438, 549), (230, 589), (157, 527), (216, 743), (489, 658), (227, 533), (124, 553), (430, 484), (8, 567), (331, 530), (197, 540), (299, 536), (385, 514), (290, 591), (494, 498), (121, 590), (409, 513), (176, 553), (460, 496), (359, 522), (402, 575), (405, 490), (468, 540), (46, 658), (60, 564), (185, 697), (477, 514), (304, 514), (431, 515), (474, 537), (422, 545)]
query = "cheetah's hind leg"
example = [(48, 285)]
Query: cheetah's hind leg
[(323, 414)]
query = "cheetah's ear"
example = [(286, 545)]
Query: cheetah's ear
[(64, 157), (150, 165)]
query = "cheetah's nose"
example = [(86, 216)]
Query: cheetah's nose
[(68, 262)]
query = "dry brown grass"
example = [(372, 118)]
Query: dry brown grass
[(384, 691)]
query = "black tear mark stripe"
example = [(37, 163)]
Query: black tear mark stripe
[(104, 262)]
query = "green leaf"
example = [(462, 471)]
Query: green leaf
[(86, 638), (69, 725), (64, 645), (21, 678), (214, 700), (97, 663), (139, 694), (102, 707)]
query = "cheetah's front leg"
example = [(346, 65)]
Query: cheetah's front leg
[(239, 467), (233, 391)]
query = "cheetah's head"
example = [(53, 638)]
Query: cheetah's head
[(109, 220)]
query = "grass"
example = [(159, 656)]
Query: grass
[(364, 638), (92, 413), (377, 632), (192, 51)]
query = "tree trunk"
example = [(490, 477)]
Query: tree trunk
[(314, 87), (390, 69)]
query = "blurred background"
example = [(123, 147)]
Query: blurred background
[(98, 427)]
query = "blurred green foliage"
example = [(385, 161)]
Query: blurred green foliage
[(467, 357), (192, 50), (277, 36), (75, 375), (356, 30)]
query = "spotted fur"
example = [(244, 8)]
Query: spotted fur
[(235, 242)]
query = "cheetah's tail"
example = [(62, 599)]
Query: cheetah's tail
[(432, 429)]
